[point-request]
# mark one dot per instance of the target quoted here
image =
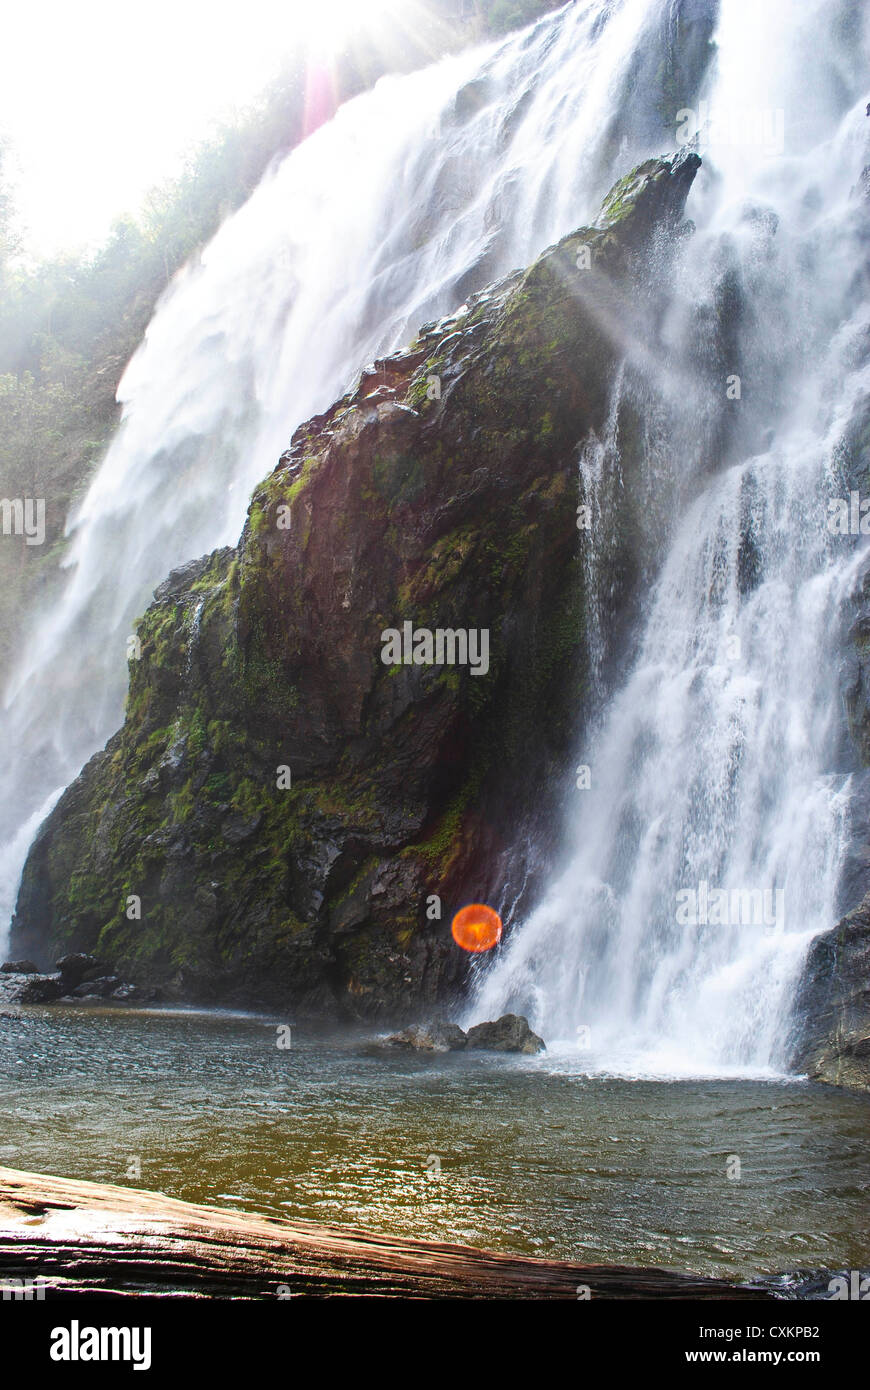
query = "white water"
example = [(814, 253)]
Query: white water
[(704, 767), (716, 761)]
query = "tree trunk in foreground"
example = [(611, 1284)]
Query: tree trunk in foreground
[(86, 1238)]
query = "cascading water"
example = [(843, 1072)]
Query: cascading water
[(415, 194), (714, 768), (714, 761)]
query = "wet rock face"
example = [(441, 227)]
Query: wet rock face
[(288, 818), (833, 1005)]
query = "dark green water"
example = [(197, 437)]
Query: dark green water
[(534, 1156)]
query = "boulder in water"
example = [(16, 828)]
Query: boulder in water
[(510, 1033), (19, 967), (429, 1037), (101, 988), (75, 967), (39, 989)]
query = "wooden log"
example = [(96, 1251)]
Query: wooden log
[(90, 1239)]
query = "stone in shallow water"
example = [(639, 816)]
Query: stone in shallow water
[(100, 988), (39, 989), (429, 1037), (510, 1033), (76, 967), (19, 967)]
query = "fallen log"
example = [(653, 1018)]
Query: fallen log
[(88, 1239)]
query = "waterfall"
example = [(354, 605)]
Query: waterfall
[(714, 762), (706, 852)]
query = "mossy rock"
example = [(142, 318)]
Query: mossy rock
[(281, 802)]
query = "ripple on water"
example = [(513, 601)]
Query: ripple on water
[(526, 1155)]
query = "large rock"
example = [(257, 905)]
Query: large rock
[(443, 491), (19, 967), (39, 989), (104, 987), (429, 1037), (510, 1033), (75, 967), (833, 1005)]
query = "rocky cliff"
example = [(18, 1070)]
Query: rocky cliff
[(293, 796), (832, 1007), (833, 1004)]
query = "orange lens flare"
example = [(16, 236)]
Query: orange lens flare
[(476, 928)]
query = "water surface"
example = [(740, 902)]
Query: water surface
[(527, 1155)]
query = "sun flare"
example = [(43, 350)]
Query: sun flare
[(477, 928)]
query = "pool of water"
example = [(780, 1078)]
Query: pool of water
[(522, 1154)]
